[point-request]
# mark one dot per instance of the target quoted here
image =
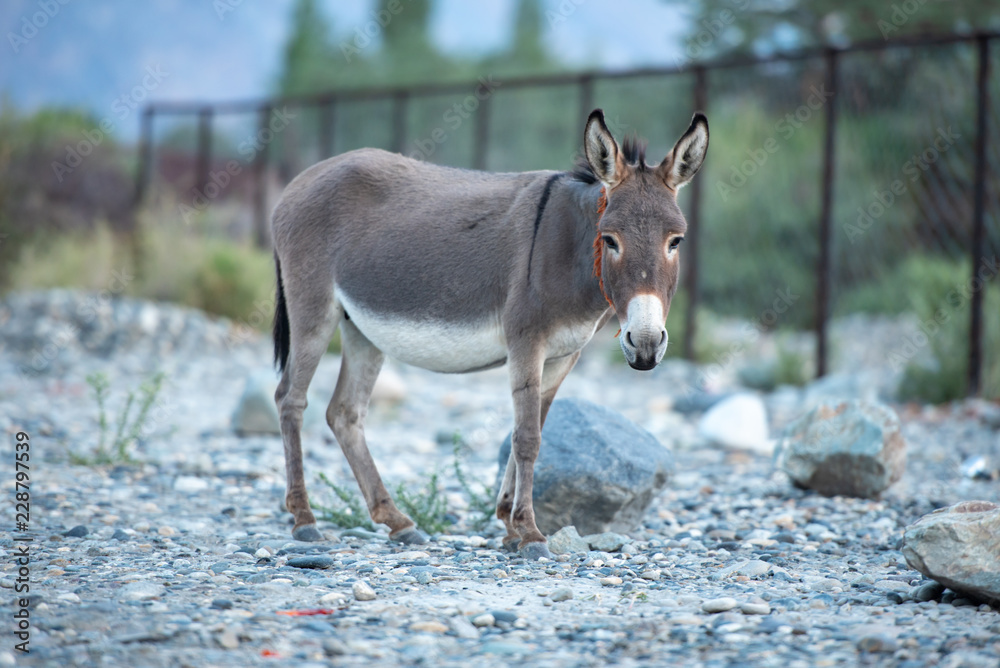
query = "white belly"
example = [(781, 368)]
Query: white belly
[(437, 346)]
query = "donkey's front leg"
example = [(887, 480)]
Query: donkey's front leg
[(553, 374), (526, 439)]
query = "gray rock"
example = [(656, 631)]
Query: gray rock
[(463, 628), (120, 534), (852, 448), (959, 547), (608, 541), (719, 604), (315, 561), (697, 402), (363, 591), (79, 531), (140, 591), (561, 594), (256, 412), (567, 541), (740, 422), (596, 470)]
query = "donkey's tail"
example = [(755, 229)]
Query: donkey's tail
[(281, 335)]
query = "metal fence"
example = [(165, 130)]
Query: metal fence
[(879, 153)]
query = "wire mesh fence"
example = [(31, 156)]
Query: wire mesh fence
[(864, 179)]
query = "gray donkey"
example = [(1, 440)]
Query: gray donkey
[(457, 271)]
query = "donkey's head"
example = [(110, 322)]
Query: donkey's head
[(640, 232)]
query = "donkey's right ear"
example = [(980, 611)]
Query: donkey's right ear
[(602, 151)]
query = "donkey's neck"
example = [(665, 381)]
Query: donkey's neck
[(580, 202)]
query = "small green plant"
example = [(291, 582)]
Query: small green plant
[(483, 503), (350, 514), (127, 431), (426, 507)]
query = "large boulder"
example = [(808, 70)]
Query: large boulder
[(739, 422), (851, 448), (596, 470), (958, 546)]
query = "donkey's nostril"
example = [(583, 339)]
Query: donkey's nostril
[(663, 336), (628, 339)]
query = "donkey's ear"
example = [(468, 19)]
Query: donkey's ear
[(688, 155), (602, 151)]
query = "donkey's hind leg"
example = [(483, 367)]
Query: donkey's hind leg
[(309, 341), (346, 415)]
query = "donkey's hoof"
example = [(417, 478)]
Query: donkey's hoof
[(409, 536), (307, 532), (511, 545), (535, 551)]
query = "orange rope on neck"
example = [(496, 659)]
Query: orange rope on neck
[(602, 204)]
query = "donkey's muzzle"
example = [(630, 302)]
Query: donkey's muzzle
[(644, 349), (644, 338)]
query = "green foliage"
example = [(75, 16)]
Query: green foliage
[(128, 428), (231, 281), (427, 507), (349, 513), (482, 503)]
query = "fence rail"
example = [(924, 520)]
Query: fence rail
[(326, 107)]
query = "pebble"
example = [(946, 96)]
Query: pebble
[(314, 562), (611, 581), (79, 531), (877, 643), (561, 594), (463, 628), (719, 604), (429, 627), (333, 598), (363, 591), (140, 591), (483, 620), (755, 608)]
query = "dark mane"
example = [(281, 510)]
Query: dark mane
[(633, 151)]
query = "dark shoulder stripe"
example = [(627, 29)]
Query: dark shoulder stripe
[(538, 215)]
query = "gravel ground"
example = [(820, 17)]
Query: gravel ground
[(187, 561)]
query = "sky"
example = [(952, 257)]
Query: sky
[(113, 55)]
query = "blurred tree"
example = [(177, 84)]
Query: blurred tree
[(740, 26)]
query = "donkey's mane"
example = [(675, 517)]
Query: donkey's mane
[(633, 151)]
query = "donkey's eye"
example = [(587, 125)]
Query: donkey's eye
[(675, 242), (611, 243)]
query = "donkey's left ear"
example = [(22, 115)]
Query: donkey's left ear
[(688, 155)]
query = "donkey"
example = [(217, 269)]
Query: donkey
[(437, 267)]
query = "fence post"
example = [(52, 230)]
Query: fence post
[(974, 370), (399, 105), (204, 148), (327, 117), (481, 140), (825, 241), (260, 234), (144, 167), (694, 227)]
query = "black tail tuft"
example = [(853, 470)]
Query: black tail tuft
[(281, 335)]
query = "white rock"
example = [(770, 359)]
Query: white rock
[(740, 422), (190, 483), (719, 604), (483, 620), (363, 592)]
